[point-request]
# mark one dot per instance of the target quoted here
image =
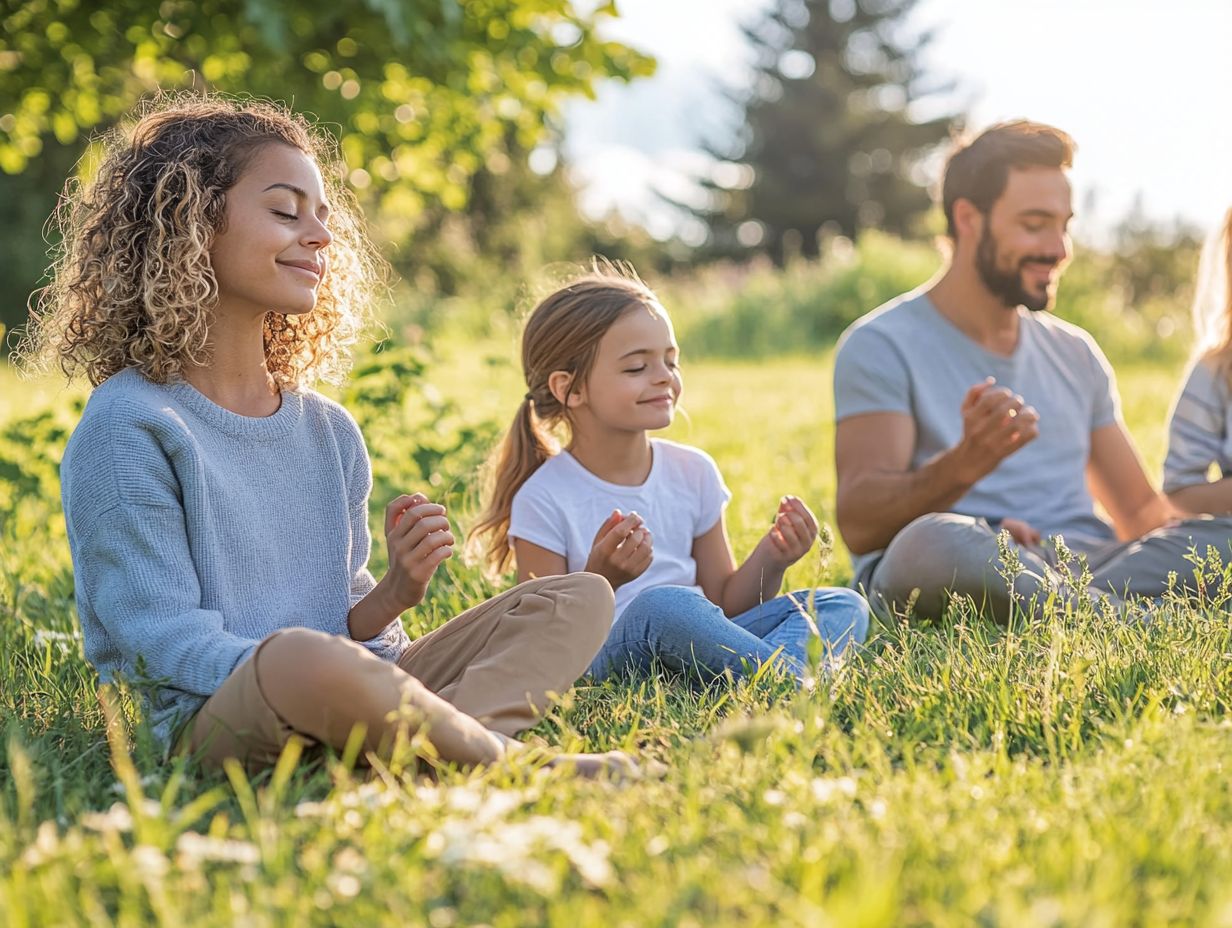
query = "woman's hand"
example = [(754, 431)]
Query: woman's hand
[(419, 540), (792, 534), (623, 548)]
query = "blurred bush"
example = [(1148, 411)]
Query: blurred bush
[(1134, 301), (417, 438), (477, 273), (756, 310)]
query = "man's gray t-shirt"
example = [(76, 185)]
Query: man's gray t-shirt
[(905, 357)]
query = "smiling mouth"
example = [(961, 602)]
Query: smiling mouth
[(659, 401), (313, 269), (1040, 274), (1040, 267)]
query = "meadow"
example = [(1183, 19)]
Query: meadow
[(1065, 771)]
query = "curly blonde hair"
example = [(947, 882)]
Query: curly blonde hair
[(132, 284)]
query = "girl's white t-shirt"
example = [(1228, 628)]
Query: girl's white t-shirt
[(562, 505)]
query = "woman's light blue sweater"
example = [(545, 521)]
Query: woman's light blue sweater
[(196, 532)]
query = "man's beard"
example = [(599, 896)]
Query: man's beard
[(1007, 285)]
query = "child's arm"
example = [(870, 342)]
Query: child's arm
[(736, 590), (419, 540), (536, 561), (622, 550)]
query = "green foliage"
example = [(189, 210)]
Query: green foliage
[(829, 134), (26, 203), (470, 272), (1134, 302), (427, 97), (423, 91), (423, 439)]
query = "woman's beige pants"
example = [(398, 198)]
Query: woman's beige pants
[(487, 673)]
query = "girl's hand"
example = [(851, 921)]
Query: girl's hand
[(622, 550), (793, 532), (419, 540), (1021, 532)]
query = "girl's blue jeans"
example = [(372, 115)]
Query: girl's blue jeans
[(683, 631)]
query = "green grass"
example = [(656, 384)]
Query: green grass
[(1067, 772)]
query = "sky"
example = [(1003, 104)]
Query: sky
[(1137, 83)]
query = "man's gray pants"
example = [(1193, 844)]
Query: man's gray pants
[(944, 554)]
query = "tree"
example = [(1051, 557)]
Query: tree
[(424, 95), (830, 140)]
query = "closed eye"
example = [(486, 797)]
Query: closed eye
[(281, 215), (635, 370)]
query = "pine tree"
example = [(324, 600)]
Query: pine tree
[(830, 142)]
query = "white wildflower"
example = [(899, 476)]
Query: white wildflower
[(149, 861), (343, 885), (193, 848), (511, 847), (63, 642), (462, 799), (369, 796), (149, 806), (349, 860), (829, 790), (487, 807), (591, 861), (774, 797), (46, 843), (117, 818), (535, 874), (443, 917)]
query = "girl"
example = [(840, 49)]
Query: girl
[(217, 507), (600, 358), (1200, 427)]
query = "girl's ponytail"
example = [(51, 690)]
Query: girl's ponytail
[(525, 446)]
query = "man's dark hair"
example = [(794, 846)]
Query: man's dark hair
[(978, 170)]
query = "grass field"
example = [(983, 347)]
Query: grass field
[(1069, 772)]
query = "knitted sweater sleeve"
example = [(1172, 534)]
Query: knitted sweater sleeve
[(132, 560), (391, 641)]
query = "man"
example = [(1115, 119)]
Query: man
[(965, 408)]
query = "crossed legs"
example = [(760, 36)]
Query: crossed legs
[(945, 554), (481, 677)]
